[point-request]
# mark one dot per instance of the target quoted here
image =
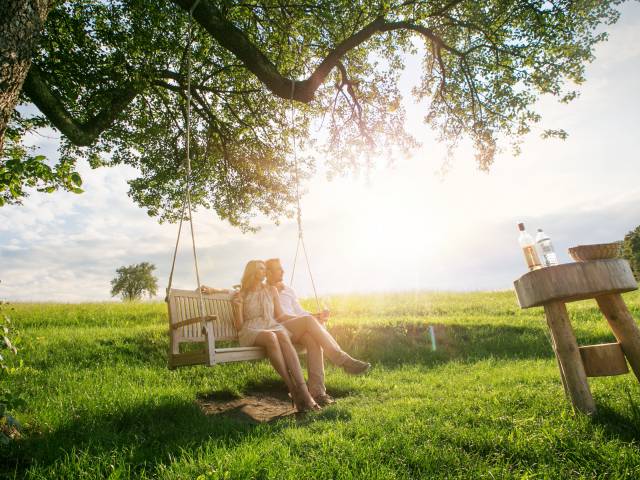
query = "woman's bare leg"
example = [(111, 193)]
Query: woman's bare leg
[(293, 362), (270, 342)]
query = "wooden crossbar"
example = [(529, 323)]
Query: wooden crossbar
[(191, 321)]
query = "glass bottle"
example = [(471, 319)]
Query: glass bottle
[(528, 248), (545, 247)]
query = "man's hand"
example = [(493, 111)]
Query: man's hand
[(323, 316)]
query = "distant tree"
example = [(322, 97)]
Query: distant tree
[(631, 250), (133, 281)]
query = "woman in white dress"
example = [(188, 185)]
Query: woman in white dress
[(257, 307)]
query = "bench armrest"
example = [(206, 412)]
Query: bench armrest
[(191, 321)]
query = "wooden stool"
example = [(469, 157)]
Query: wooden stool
[(603, 280)]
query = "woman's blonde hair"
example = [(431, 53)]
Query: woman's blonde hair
[(249, 275)]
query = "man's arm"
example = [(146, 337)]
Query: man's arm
[(278, 312), (319, 316)]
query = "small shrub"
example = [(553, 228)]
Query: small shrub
[(631, 250), (9, 399)]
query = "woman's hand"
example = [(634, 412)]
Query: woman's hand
[(204, 289), (237, 299), (238, 316)]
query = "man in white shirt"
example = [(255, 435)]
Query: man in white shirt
[(308, 329)]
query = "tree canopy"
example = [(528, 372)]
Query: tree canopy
[(110, 75), (133, 281)]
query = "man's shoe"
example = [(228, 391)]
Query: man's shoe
[(324, 399), (355, 367)]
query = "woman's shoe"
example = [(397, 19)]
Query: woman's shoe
[(302, 405), (324, 399), (355, 367)]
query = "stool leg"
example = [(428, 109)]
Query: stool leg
[(568, 356), (623, 327), (564, 381)]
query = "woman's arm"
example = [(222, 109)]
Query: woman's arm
[(279, 315), (238, 317)]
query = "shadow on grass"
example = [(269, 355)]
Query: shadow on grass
[(616, 425), (148, 435), (266, 401)]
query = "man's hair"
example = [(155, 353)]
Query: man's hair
[(272, 262)]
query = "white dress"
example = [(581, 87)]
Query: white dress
[(257, 313)]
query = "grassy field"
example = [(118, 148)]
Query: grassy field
[(100, 402)]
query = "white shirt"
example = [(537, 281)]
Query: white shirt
[(290, 304)]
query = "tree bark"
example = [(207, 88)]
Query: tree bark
[(21, 21)]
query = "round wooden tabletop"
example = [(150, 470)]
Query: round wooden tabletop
[(570, 282)]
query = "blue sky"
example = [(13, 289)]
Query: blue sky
[(403, 228)]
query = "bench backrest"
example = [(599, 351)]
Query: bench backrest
[(185, 304)]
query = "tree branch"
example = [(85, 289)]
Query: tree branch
[(81, 134), (237, 42)]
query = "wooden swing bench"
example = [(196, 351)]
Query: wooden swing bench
[(187, 326)]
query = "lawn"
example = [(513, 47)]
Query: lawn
[(488, 403)]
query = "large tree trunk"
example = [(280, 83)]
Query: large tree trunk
[(20, 23)]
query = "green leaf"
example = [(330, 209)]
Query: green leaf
[(76, 179)]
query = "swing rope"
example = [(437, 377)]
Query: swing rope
[(299, 210), (187, 197)]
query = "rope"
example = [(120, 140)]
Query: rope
[(175, 250), (299, 210), (187, 199)]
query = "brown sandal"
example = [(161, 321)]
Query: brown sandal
[(298, 401), (324, 399)]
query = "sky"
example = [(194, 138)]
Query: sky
[(400, 228)]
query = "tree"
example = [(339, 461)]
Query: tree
[(20, 24), (631, 250), (133, 281), (111, 77)]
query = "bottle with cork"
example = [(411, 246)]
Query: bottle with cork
[(529, 250)]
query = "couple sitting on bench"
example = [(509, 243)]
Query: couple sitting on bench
[(269, 315)]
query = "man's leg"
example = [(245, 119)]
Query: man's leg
[(300, 325), (307, 324)]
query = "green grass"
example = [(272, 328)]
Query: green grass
[(100, 402)]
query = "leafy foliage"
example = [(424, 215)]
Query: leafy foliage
[(111, 75), (631, 250), (19, 169), (133, 281), (9, 399)]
